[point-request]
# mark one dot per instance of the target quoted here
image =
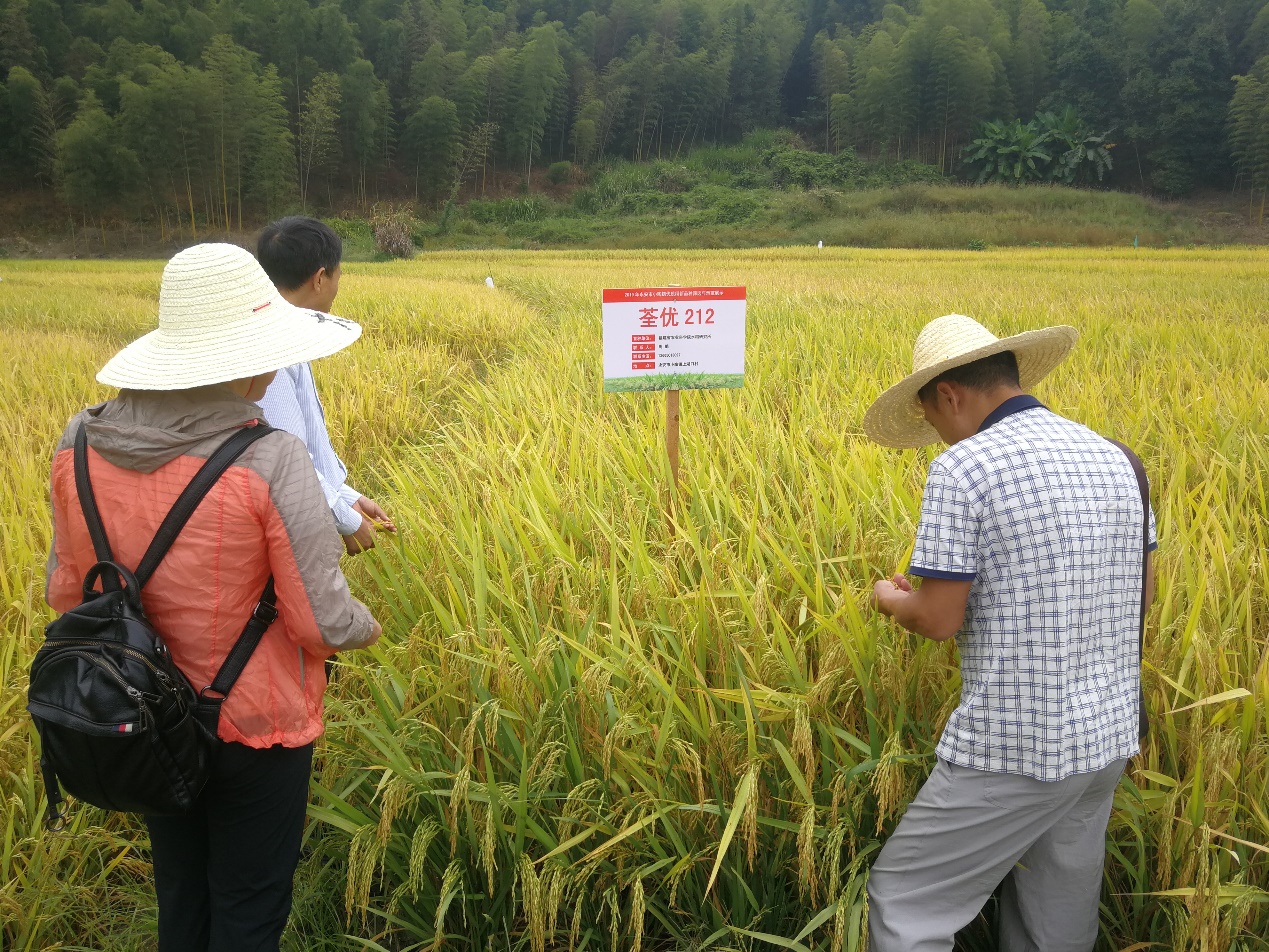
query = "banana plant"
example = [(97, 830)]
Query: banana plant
[(1079, 154), (1012, 153)]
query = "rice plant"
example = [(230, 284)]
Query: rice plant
[(605, 715)]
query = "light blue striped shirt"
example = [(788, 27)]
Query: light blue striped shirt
[(291, 404)]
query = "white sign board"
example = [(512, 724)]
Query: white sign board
[(673, 338)]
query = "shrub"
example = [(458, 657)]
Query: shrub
[(350, 229), (675, 178), (508, 211), (910, 198), (736, 208), (393, 228), (559, 173)]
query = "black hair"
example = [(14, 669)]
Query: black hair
[(291, 250), (987, 373)]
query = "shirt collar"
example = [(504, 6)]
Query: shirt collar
[(1023, 401)]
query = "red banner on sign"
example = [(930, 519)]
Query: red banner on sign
[(637, 295)]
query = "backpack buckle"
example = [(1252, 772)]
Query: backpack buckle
[(265, 612)]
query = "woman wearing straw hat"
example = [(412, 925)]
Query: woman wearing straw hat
[(223, 872), (1030, 553)]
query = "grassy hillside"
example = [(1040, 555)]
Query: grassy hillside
[(767, 191)]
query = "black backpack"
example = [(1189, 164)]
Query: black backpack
[(120, 726)]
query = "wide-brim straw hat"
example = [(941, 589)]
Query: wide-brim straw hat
[(896, 418), (221, 319)]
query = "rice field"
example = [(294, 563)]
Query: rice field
[(607, 717)]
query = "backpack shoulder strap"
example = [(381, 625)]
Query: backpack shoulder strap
[(1143, 486), (215, 694), (88, 504), (264, 615), (87, 501), (193, 494)]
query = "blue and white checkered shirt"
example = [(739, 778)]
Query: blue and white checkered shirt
[(291, 404), (1045, 517)]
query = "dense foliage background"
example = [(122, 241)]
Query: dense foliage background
[(206, 111)]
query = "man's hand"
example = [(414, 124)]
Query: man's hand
[(887, 593), (372, 518), (371, 510), (361, 540), (935, 610)]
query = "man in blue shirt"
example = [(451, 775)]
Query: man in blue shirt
[(302, 257), (1032, 552)]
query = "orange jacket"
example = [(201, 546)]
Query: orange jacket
[(266, 516)]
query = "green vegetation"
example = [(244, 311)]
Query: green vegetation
[(672, 382), (765, 192), (212, 115)]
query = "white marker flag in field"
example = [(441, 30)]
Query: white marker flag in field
[(673, 338)]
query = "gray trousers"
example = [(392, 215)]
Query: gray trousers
[(966, 831)]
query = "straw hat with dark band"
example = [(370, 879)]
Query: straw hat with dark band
[(221, 319), (895, 419)]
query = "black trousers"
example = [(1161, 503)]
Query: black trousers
[(223, 872)]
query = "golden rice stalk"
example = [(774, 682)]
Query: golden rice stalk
[(364, 855), (558, 877), (545, 767), (840, 920), (808, 877), (687, 755), (532, 899), (613, 902), (888, 779), (838, 790), (398, 794), (637, 911), (575, 931), (451, 883), (489, 846), (804, 743), (424, 834), (749, 824), (457, 799), (832, 857)]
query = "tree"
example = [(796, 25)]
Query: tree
[(318, 139), (1028, 62), (272, 171), (17, 42), (830, 62), (35, 129), (336, 43), (94, 168), (841, 106), (1187, 131), (1249, 128), (585, 134), (367, 121), (962, 73), (232, 84), (167, 122), (433, 137), (540, 70)]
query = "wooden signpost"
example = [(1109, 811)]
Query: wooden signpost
[(673, 338)]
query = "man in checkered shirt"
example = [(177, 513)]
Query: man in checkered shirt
[(1030, 552)]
